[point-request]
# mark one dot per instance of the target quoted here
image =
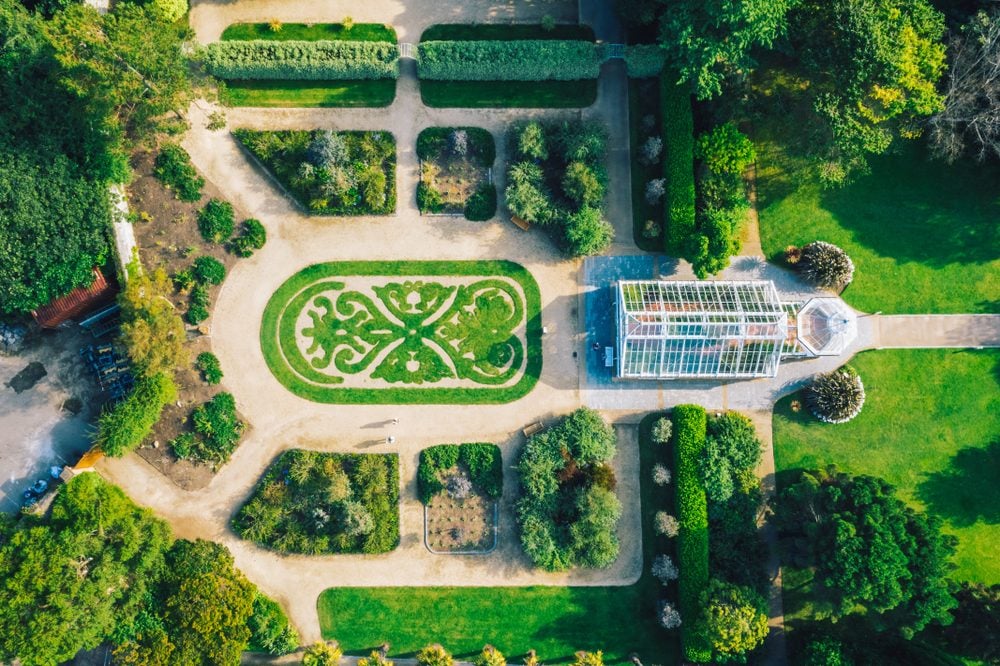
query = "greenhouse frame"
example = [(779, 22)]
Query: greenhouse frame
[(702, 329)]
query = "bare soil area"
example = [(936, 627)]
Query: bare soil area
[(461, 525)]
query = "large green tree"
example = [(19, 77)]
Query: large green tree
[(870, 553), (734, 620)]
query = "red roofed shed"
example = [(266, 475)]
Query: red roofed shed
[(76, 302)]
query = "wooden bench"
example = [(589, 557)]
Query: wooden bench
[(533, 429), (524, 225)]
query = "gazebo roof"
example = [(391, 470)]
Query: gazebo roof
[(826, 326)]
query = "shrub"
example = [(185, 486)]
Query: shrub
[(664, 569), (302, 60), (184, 280), (122, 428), (678, 167), (662, 430), (322, 654), (434, 655), (582, 185), (218, 427), (481, 461), (458, 142), (252, 237), (459, 487), (836, 397), (580, 141), (375, 658), (208, 270), (196, 314), (655, 189), (327, 150), (690, 427), (661, 475), (513, 60), (825, 265), (526, 194), (490, 656), (183, 445), (643, 61), (665, 524), (485, 467), (725, 150), (429, 200), (216, 221), (668, 617), (482, 205), (169, 11), (651, 150), (531, 141), (207, 364), (269, 627), (588, 233), (173, 167)]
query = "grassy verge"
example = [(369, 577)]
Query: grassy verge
[(508, 94), (372, 93), (643, 100), (922, 234), (931, 427), (555, 621), (359, 32), (271, 332), (501, 31)]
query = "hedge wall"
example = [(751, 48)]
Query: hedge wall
[(515, 60), (643, 61), (690, 424), (678, 165), (302, 60)]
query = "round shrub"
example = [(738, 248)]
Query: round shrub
[(252, 237), (208, 365), (665, 524), (434, 655), (196, 314), (208, 270), (662, 430), (825, 265), (216, 221), (588, 233), (482, 205), (183, 444), (669, 617), (661, 475), (173, 167), (836, 397), (664, 569)]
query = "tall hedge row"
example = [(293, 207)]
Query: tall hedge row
[(690, 426), (514, 60), (321, 60), (678, 165)]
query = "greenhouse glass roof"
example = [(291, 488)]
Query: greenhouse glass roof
[(706, 329)]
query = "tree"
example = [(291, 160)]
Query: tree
[(490, 656), (587, 436), (870, 553), (531, 141), (324, 654), (665, 524), (969, 121), (328, 149), (872, 67), (825, 651), (168, 11), (583, 185), (434, 655), (731, 448), (975, 632), (592, 533), (669, 617), (151, 329), (269, 627), (825, 265), (725, 150), (526, 194), (708, 40), (735, 620), (836, 397), (588, 233)]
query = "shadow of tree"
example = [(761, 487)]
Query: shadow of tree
[(966, 492)]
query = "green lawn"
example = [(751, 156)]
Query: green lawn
[(643, 100), (371, 93), (555, 621), (504, 31), (923, 235), (359, 32), (927, 427), (508, 94)]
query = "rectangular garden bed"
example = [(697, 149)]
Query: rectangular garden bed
[(358, 32), (456, 172)]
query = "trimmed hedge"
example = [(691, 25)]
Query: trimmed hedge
[(482, 461), (302, 60), (678, 165), (690, 427), (643, 61), (516, 60)]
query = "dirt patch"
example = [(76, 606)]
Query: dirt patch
[(166, 231), (27, 378), (466, 525), (456, 178)]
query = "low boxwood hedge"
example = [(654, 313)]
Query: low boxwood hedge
[(690, 427), (678, 164)]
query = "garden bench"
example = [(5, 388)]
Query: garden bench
[(532, 429), (524, 225)]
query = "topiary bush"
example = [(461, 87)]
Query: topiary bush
[(216, 221), (208, 365), (252, 237), (208, 270), (482, 205), (174, 169), (825, 265), (836, 397), (662, 430)]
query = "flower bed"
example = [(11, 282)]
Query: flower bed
[(455, 173)]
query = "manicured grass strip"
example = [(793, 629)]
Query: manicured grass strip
[(678, 163), (923, 234), (508, 94), (929, 426), (399, 395), (346, 94), (690, 423), (360, 32), (555, 621), (504, 32), (643, 100)]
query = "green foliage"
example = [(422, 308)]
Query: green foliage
[(731, 447), (208, 270), (644, 60), (583, 185), (183, 445), (123, 428), (490, 656), (975, 632), (302, 60), (269, 627), (588, 233), (429, 200), (434, 655), (169, 11), (566, 518), (482, 462), (174, 169), (432, 143), (725, 150), (662, 430), (825, 651), (513, 60), (871, 553), (359, 32), (532, 142), (736, 552), (527, 196), (482, 205), (252, 236), (678, 164), (362, 182), (690, 427), (218, 428), (322, 654), (316, 503), (198, 309), (216, 221), (151, 330), (207, 364), (735, 620)]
